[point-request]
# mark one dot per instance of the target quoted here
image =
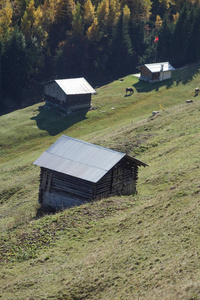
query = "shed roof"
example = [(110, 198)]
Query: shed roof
[(156, 67), (81, 159), (75, 86)]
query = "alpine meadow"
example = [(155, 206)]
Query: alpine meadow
[(143, 246), (136, 245)]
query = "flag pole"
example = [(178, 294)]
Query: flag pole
[(155, 53), (155, 42)]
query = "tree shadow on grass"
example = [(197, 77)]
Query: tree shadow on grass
[(186, 74), (145, 86), (55, 121)]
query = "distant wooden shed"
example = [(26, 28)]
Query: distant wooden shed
[(156, 71), (74, 172), (70, 94)]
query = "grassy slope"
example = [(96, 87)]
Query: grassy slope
[(136, 247)]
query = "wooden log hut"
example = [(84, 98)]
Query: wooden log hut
[(74, 172), (69, 94)]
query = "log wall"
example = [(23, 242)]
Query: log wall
[(60, 190), (72, 102), (120, 180), (57, 189)]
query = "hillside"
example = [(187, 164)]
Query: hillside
[(138, 247)]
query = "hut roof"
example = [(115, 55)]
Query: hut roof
[(81, 159), (156, 67), (75, 86)]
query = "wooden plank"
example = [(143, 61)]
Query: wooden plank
[(49, 182), (44, 179)]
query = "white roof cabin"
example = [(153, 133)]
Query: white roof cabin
[(72, 94), (156, 71)]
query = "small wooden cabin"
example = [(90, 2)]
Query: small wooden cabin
[(70, 94), (74, 172), (156, 71)]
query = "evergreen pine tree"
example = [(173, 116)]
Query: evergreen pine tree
[(121, 56), (14, 65), (181, 34), (136, 30), (1, 53), (164, 46), (193, 49)]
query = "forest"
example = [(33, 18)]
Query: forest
[(100, 40)]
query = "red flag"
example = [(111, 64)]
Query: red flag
[(156, 39)]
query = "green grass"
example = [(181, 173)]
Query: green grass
[(137, 247)]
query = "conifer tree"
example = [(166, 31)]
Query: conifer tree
[(28, 20), (73, 52), (114, 13), (93, 31), (14, 65), (181, 35), (57, 19), (88, 13), (121, 53), (21, 7), (1, 53), (102, 14), (125, 30), (32, 24), (6, 13), (77, 22), (136, 30), (49, 9), (2, 104), (140, 9), (193, 49), (63, 11), (158, 23), (92, 51), (164, 46)]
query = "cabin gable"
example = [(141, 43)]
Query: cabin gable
[(53, 91)]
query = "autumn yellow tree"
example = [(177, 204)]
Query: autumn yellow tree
[(114, 12), (49, 9), (38, 29), (93, 31), (140, 9), (103, 13), (6, 13), (89, 13), (32, 24), (165, 3), (158, 22), (126, 14), (175, 17), (64, 12), (27, 20)]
